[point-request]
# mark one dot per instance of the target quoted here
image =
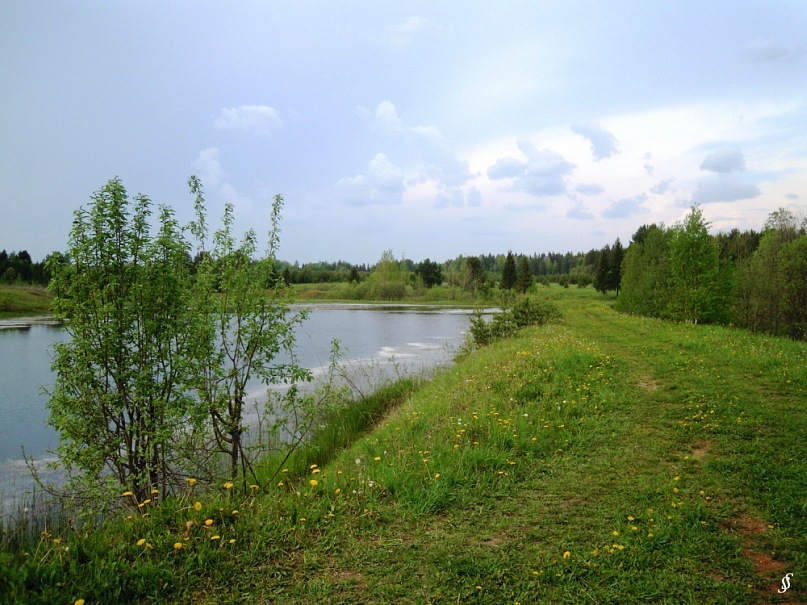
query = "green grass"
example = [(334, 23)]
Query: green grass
[(16, 301), (605, 459)]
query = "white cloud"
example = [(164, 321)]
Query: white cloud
[(724, 161), (402, 35), (542, 173), (208, 167), (381, 184), (259, 119), (603, 143)]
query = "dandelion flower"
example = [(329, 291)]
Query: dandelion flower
[(616, 533), (141, 541), (313, 482), (313, 466), (216, 537), (631, 519), (190, 481), (437, 475), (338, 490), (154, 492), (79, 602), (197, 506), (127, 494), (228, 485), (235, 511), (567, 554), (377, 458), (254, 487), (232, 540), (676, 478), (280, 484), (208, 522), (177, 545)]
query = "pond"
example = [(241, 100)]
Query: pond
[(388, 340)]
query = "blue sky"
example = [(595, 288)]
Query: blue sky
[(433, 129)]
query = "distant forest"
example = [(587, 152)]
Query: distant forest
[(756, 280)]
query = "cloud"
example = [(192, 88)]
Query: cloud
[(792, 196), (723, 188), (724, 161), (626, 207), (589, 188), (456, 198), (208, 168), (436, 159), (768, 51), (543, 172), (259, 119), (579, 212), (402, 35), (381, 184), (662, 187), (603, 143)]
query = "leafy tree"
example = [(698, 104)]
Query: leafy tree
[(119, 398), (700, 292), (794, 269), (509, 272), (242, 329), (430, 273), (646, 273)]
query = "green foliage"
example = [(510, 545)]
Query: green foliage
[(646, 273), (120, 399), (526, 311), (509, 272), (430, 273)]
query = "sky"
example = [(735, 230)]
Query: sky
[(431, 129)]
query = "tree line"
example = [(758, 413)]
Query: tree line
[(752, 280)]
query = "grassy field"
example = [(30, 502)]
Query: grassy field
[(604, 459), (16, 301)]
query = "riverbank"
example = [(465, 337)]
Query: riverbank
[(604, 459), (21, 301)]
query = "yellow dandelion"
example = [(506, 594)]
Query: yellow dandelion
[(280, 484), (235, 511), (141, 541), (338, 490), (437, 475), (127, 494), (208, 522), (313, 482), (567, 554), (676, 478), (228, 485), (313, 466), (377, 458), (232, 540), (630, 518), (177, 545), (197, 506), (190, 481), (57, 541), (79, 602), (216, 537), (154, 492), (254, 487)]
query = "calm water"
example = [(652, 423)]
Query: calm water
[(399, 339)]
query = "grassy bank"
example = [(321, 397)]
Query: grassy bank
[(606, 459), (16, 301)]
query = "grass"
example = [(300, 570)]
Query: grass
[(606, 459), (16, 301)]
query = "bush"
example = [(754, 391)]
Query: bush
[(525, 312)]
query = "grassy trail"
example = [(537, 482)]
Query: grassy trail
[(609, 460)]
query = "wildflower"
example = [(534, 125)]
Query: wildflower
[(141, 541), (631, 519), (315, 471), (190, 481), (216, 537), (567, 554), (197, 506), (57, 541), (79, 602), (313, 482), (177, 545), (154, 492), (338, 490), (254, 487), (280, 484), (232, 540), (208, 522), (437, 475), (127, 494), (676, 478), (235, 511), (313, 466), (228, 485), (616, 533)]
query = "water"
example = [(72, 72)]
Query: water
[(389, 339)]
